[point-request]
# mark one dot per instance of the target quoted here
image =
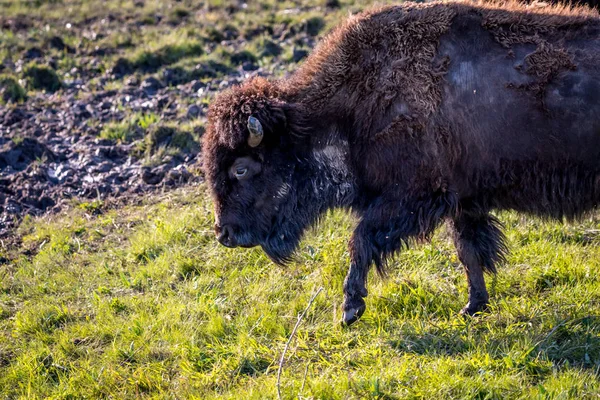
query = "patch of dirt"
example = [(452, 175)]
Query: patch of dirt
[(50, 153)]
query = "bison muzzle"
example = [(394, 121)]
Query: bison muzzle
[(415, 115)]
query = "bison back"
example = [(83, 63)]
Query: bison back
[(525, 115)]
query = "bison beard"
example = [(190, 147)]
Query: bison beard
[(321, 182), (412, 116)]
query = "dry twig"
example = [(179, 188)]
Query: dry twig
[(281, 361)]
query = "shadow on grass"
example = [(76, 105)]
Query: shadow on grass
[(434, 341), (574, 342), (570, 343)]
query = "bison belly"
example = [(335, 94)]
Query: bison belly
[(525, 120)]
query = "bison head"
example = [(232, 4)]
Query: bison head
[(267, 181)]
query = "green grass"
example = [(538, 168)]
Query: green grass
[(154, 35), (120, 132), (154, 139), (151, 60), (132, 127), (10, 90), (40, 77), (172, 140), (141, 301)]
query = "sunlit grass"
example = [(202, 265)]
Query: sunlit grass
[(142, 301)]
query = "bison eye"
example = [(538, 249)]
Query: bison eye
[(241, 172)]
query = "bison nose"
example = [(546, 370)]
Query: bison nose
[(225, 235)]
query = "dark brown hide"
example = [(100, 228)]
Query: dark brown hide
[(412, 115)]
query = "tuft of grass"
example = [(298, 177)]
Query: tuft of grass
[(93, 207), (205, 70), (145, 121), (164, 140), (178, 14), (133, 127), (241, 57), (40, 77), (120, 132), (43, 319), (10, 90), (152, 60), (314, 25)]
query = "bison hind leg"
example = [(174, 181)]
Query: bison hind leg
[(480, 245)]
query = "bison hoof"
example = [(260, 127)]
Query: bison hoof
[(351, 315), (474, 308)]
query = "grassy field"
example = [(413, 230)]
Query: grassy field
[(138, 300), (141, 301)]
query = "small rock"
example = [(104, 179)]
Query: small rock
[(15, 116), (20, 155), (82, 111), (12, 208), (90, 179), (51, 172), (104, 167), (249, 66), (271, 49), (193, 111), (57, 43), (132, 81), (121, 68), (197, 85), (151, 176), (63, 172), (175, 76), (150, 85), (299, 54), (181, 173), (33, 53)]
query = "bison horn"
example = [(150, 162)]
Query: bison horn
[(256, 132)]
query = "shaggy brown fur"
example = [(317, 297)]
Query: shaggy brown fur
[(412, 115), (391, 47), (410, 34), (544, 64)]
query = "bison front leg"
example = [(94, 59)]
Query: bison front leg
[(383, 229), (354, 293), (480, 245)]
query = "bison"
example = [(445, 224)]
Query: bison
[(411, 116)]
